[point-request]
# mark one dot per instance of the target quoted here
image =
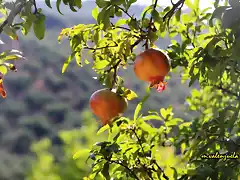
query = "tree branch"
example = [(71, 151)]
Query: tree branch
[(123, 10), (99, 48), (35, 7), (228, 92), (164, 175), (176, 6), (151, 19)]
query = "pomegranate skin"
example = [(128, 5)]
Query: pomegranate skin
[(151, 65), (107, 105)]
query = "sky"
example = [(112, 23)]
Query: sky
[(203, 3)]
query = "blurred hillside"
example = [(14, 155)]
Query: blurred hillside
[(41, 101)]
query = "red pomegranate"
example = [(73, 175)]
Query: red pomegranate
[(152, 66), (107, 105)]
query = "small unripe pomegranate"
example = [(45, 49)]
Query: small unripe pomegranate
[(107, 105), (152, 66)]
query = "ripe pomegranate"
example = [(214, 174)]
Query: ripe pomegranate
[(2, 90), (152, 66), (107, 105)]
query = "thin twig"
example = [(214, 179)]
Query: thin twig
[(176, 6), (135, 44), (139, 140), (99, 48), (123, 10), (35, 7)]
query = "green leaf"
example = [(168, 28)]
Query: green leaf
[(121, 22), (193, 79), (58, 2), (185, 124), (117, 2), (95, 13), (78, 3), (101, 3), (67, 62), (27, 25), (101, 64), (163, 113), (156, 16), (178, 15), (145, 11), (151, 117), (78, 59), (173, 122), (105, 171), (196, 4), (48, 3), (103, 129), (103, 17), (9, 57), (129, 94), (80, 153), (129, 3), (39, 26), (133, 24), (189, 4), (175, 174), (3, 69), (139, 106)]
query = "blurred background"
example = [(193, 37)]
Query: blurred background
[(43, 104)]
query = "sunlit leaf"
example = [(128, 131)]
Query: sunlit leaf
[(103, 129), (95, 13), (129, 94), (101, 64), (80, 153), (3, 69), (139, 106), (152, 117), (67, 62)]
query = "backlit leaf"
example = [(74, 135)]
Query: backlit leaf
[(67, 62), (39, 27), (48, 3), (139, 106), (80, 153), (103, 129), (95, 13), (3, 69), (130, 95), (58, 2)]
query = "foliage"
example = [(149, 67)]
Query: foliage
[(209, 57), (207, 53), (64, 166)]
